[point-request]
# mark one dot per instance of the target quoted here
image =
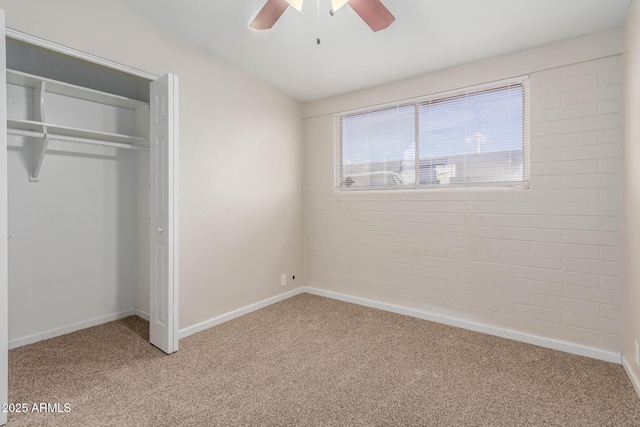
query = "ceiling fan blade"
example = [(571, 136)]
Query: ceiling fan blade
[(373, 13), (269, 14)]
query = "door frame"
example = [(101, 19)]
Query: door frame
[(55, 47), (4, 242), (65, 50)]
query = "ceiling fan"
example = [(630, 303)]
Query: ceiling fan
[(372, 12)]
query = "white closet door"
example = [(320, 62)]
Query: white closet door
[(4, 293), (163, 316)]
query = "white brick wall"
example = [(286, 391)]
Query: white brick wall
[(545, 261)]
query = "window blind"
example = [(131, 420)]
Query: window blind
[(474, 136)]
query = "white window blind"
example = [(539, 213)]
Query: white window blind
[(474, 136)]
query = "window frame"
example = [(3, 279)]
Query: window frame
[(416, 103)]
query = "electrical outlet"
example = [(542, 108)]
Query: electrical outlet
[(637, 346), (283, 280)]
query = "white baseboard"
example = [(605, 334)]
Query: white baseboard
[(141, 314), (556, 344), (199, 327), (19, 342), (635, 380)]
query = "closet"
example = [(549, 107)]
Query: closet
[(92, 193), (88, 195)]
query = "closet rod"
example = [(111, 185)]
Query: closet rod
[(55, 137)]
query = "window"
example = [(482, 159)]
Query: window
[(477, 136)]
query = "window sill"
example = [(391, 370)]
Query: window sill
[(521, 186)]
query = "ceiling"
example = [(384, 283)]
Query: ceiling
[(428, 35)]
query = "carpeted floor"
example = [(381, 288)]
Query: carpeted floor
[(315, 361)]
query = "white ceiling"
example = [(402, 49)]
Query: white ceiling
[(428, 35)]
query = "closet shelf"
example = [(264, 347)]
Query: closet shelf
[(71, 100), (23, 79), (57, 132)]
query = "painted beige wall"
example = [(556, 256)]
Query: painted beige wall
[(571, 51), (543, 262), (240, 154), (632, 190)]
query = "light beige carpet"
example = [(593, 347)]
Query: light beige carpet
[(315, 361)]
